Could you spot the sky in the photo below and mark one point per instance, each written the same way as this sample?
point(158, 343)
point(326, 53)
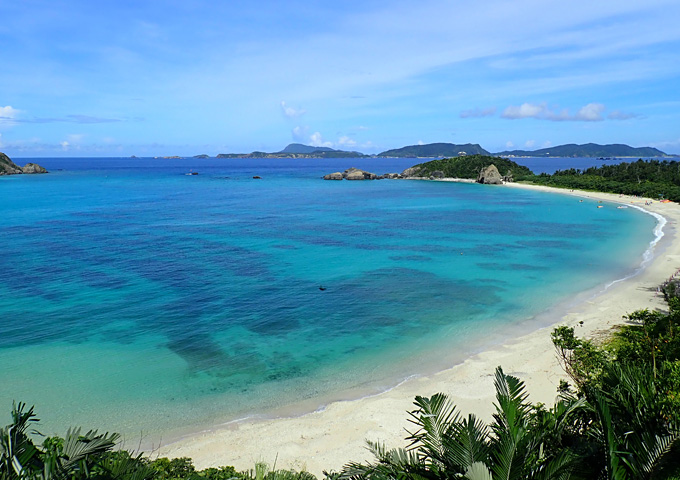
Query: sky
point(155, 78)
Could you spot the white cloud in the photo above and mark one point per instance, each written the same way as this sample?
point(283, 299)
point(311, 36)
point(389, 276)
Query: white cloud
point(345, 141)
point(291, 112)
point(315, 140)
point(300, 134)
point(619, 115)
point(7, 115)
point(589, 113)
point(526, 110)
point(509, 144)
point(8, 112)
point(530, 143)
point(546, 144)
point(0, 140)
point(420, 142)
point(65, 145)
point(478, 112)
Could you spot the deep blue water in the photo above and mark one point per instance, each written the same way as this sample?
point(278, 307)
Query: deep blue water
point(134, 297)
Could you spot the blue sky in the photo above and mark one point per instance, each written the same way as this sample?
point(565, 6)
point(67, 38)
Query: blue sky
point(146, 78)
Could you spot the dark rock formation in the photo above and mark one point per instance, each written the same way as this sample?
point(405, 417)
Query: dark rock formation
point(490, 176)
point(8, 167)
point(33, 168)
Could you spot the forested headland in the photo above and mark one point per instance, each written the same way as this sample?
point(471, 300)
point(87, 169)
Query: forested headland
point(655, 179)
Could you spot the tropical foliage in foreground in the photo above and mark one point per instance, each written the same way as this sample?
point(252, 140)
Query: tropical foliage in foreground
point(618, 418)
point(79, 456)
point(517, 444)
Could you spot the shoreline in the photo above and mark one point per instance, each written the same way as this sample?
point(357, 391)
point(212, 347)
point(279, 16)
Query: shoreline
point(330, 437)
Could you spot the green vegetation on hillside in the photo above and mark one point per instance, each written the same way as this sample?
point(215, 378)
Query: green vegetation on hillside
point(7, 166)
point(469, 166)
point(435, 150)
point(588, 150)
point(297, 150)
point(652, 178)
point(301, 148)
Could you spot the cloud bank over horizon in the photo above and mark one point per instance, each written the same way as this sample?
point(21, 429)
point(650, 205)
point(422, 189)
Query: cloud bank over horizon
point(137, 79)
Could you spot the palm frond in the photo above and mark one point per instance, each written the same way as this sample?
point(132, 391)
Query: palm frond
point(468, 444)
point(19, 457)
point(79, 450)
point(478, 471)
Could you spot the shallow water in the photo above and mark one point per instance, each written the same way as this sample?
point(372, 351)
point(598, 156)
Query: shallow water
point(135, 298)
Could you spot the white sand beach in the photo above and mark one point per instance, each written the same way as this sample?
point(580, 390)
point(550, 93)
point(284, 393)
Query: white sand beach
point(328, 439)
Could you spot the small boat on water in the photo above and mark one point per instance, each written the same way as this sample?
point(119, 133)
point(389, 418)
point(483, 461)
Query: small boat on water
point(622, 206)
point(600, 206)
point(191, 173)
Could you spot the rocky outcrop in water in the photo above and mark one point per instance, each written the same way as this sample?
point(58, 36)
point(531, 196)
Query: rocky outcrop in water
point(8, 167)
point(490, 176)
point(33, 168)
point(411, 172)
point(352, 174)
point(357, 174)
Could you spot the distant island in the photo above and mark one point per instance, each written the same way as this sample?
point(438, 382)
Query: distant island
point(449, 150)
point(587, 150)
point(432, 150)
point(444, 150)
point(297, 150)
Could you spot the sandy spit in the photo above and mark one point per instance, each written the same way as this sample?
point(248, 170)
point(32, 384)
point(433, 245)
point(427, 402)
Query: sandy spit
point(328, 439)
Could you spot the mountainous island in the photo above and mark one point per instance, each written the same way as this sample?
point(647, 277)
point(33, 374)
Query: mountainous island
point(446, 150)
point(297, 150)
point(431, 150)
point(587, 150)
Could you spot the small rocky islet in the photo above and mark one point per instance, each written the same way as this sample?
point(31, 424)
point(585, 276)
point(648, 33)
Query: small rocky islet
point(479, 168)
point(8, 167)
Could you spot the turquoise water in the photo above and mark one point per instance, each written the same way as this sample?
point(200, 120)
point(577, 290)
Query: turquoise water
point(135, 298)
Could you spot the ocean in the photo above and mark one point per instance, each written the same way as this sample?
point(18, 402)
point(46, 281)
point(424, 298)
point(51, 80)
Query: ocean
point(138, 299)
